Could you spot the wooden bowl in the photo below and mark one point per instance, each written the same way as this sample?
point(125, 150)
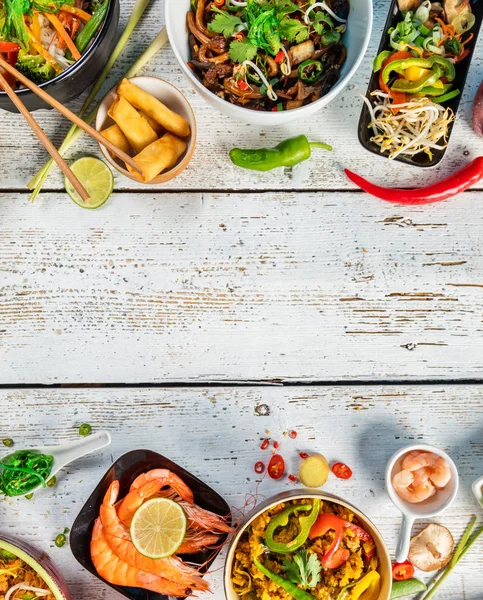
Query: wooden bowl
point(174, 99)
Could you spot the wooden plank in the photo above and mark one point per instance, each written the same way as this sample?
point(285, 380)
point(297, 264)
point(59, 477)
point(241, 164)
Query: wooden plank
point(211, 168)
point(361, 426)
point(202, 287)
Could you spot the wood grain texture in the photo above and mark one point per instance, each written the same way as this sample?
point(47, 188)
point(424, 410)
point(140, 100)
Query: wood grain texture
point(211, 168)
point(239, 287)
point(215, 433)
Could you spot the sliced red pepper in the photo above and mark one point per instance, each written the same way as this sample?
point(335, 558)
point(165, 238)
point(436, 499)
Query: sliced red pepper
point(397, 97)
point(279, 57)
point(12, 58)
point(264, 444)
point(259, 467)
point(243, 85)
point(276, 467)
point(341, 471)
point(402, 571)
point(9, 47)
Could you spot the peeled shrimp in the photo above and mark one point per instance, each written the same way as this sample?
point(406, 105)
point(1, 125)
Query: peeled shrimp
point(412, 488)
point(169, 479)
point(119, 540)
point(117, 572)
point(437, 469)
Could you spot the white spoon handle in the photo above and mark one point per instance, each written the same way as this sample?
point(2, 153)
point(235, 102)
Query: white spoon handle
point(67, 453)
point(402, 549)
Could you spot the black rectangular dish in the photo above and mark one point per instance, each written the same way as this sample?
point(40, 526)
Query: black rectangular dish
point(126, 469)
point(462, 68)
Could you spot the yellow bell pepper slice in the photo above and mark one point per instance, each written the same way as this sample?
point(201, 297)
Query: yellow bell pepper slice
point(367, 588)
point(415, 73)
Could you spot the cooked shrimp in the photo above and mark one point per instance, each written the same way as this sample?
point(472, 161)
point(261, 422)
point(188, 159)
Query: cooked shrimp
point(416, 460)
point(119, 540)
point(133, 500)
point(115, 571)
point(440, 473)
point(196, 541)
point(436, 467)
point(199, 518)
point(410, 490)
point(169, 479)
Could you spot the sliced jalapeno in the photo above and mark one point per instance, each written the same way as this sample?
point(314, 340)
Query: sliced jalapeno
point(310, 71)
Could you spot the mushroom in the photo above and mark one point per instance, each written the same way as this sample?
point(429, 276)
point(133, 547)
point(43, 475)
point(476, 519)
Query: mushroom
point(431, 549)
point(405, 5)
point(455, 8)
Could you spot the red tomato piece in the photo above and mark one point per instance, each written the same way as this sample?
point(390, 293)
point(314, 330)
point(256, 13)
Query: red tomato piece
point(341, 471)
point(276, 467)
point(402, 571)
point(259, 467)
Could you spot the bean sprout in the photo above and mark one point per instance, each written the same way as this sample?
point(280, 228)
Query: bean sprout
point(270, 91)
point(286, 67)
point(324, 6)
point(420, 125)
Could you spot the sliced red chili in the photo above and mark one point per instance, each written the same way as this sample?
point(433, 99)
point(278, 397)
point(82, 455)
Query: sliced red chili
point(276, 467)
point(341, 471)
point(276, 445)
point(259, 467)
point(243, 85)
point(293, 478)
point(292, 434)
point(279, 57)
point(402, 571)
point(303, 455)
point(264, 444)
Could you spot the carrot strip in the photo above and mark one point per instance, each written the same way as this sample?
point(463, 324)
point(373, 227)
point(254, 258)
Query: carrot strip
point(43, 52)
point(78, 12)
point(417, 49)
point(470, 37)
point(64, 35)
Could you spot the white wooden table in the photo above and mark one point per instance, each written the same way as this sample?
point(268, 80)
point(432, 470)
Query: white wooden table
point(365, 318)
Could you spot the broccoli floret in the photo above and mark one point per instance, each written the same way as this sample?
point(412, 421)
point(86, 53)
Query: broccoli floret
point(36, 68)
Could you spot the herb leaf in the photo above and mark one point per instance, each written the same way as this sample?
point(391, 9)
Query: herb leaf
point(224, 23)
point(242, 51)
point(304, 569)
point(294, 30)
point(322, 22)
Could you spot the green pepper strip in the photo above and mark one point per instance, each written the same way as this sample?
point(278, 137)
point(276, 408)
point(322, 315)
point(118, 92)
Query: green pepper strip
point(310, 71)
point(435, 91)
point(91, 27)
point(288, 153)
point(285, 584)
point(380, 59)
point(424, 63)
point(281, 520)
point(446, 97)
point(414, 87)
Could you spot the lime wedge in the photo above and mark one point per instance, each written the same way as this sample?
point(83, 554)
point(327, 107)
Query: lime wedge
point(158, 528)
point(97, 179)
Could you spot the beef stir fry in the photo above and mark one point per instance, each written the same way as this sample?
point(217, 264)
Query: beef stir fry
point(268, 54)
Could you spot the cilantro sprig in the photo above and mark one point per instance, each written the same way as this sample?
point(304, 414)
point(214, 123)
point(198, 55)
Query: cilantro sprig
point(224, 23)
point(242, 51)
point(304, 569)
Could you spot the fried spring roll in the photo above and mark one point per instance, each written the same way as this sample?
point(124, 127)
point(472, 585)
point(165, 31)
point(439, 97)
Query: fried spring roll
point(159, 156)
point(115, 135)
point(153, 108)
point(134, 126)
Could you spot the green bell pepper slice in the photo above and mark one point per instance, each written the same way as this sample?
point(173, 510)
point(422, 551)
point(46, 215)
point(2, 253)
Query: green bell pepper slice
point(436, 91)
point(379, 60)
point(281, 520)
point(424, 63)
point(292, 588)
point(414, 87)
point(446, 97)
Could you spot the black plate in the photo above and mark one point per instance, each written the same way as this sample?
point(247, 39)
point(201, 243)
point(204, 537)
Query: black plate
point(126, 469)
point(421, 159)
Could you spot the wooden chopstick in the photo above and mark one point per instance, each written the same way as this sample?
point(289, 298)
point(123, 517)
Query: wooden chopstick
point(40, 133)
point(70, 115)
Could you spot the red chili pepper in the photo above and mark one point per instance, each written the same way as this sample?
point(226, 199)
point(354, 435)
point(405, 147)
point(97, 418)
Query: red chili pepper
point(462, 56)
point(293, 478)
point(449, 187)
point(9, 47)
point(276, 445)
point(12, 58)
point(341, 471)
point(259, 467)
point(276, 467)
point(303, 455)
point(279, 57)
point(243, 85)
point(292, 434)
point(402, 571)
point(264, 444)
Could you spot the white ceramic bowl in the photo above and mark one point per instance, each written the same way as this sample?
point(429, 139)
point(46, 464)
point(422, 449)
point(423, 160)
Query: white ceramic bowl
point(385, 568)
point(356, 39)
point(477, 488)
point(174, 99)
point(431, 507)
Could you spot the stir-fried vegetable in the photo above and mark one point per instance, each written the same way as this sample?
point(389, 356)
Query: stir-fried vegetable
point(36, 68)
point(24, 470)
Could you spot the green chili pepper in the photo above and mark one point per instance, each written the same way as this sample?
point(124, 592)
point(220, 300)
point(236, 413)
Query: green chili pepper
point(288, 153)
point(52, 481)
point(292, 588)
point(446, 97)
point(281, 520)
point(380, 59)
point(431, 63)
point(29, 496)
point(85, 429)
point(310, 71)
point(60, 540)
point(7, 442)
point(91, 27)
point(401, 589)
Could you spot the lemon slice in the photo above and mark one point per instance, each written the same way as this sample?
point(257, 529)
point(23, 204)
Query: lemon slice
point(158, 528)
point(97, 179)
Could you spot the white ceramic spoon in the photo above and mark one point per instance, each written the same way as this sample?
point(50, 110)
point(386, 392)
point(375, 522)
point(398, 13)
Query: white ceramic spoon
point(67, 453)
point(431, 507)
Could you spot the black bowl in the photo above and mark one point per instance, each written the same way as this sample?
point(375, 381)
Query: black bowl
point(72, 82)
point(365, 134)
point(126, 469)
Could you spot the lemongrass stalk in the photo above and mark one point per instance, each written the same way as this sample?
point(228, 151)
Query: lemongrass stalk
point(37, 181)
point(158, 42)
